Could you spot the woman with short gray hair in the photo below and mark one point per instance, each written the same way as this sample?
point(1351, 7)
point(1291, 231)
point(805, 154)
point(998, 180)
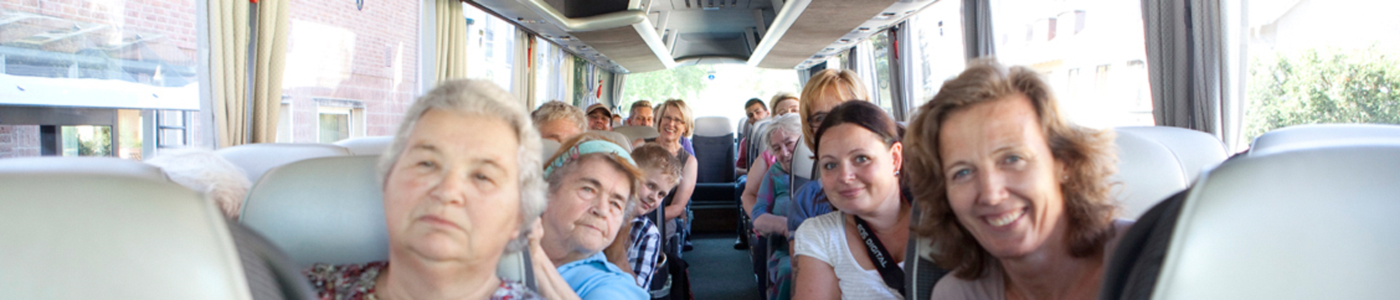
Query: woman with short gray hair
point(461, 182)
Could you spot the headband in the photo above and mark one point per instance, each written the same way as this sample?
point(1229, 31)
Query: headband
point(588, 147)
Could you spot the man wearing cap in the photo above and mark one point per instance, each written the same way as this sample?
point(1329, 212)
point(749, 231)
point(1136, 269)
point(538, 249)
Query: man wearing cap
point(599, 117)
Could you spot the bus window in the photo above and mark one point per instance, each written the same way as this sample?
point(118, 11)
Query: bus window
point(1090, 51)
point(876, 52)
point(349, 73)
point(937, 47)
point(1321, 62)
point(710, 90)
point(490, 47)
point(98, 79)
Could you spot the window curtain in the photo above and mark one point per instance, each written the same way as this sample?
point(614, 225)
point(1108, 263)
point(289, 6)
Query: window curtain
point(451, 60)
point(617, 79)
point(522, 69)
point(977, 29)
point(1196, 57)
point(247, 90)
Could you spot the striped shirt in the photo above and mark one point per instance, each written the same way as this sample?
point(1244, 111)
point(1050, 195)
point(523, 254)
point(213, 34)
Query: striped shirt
point(645, 250)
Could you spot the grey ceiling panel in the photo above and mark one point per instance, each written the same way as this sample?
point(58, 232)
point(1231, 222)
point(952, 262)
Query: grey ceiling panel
point(821, 24)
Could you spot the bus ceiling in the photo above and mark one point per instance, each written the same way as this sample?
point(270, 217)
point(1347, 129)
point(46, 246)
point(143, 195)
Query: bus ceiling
point(636, 36)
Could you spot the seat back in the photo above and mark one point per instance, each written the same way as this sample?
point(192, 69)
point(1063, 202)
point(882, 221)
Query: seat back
point(803, 164)
point(330, 210)
point(714, 150)
point(1156, 162)
point(257, 159)
point(1318, 135)
point(114, 236)
point(637, 132)
point(369, 145)
point(756, 143)
point(1307, 224)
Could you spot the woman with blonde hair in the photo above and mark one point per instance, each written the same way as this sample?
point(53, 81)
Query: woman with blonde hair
point(1015, 198)
point(675, 121)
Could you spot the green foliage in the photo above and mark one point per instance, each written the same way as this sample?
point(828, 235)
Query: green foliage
point(99, 145)
point(679, 83)
point(1323, 87)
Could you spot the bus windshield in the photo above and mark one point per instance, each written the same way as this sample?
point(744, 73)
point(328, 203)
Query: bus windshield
point(710, 90)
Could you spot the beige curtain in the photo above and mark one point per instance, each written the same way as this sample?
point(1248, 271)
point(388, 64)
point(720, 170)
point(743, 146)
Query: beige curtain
point(236, 120)
point(451, 41)
point(228, 65)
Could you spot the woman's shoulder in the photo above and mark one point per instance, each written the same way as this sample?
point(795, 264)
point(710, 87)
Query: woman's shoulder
point(987, 287)
point(348, 281)
point(824, 222)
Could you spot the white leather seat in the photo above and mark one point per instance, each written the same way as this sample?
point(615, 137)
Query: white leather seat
point(369, 145)
point(1317, 135)
point(1313, 223)
point(256, 159)
point(1156, 162)
point(330, 210)
point(101, 235)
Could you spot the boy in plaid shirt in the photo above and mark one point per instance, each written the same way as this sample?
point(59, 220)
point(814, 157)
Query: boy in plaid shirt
point(642, 246)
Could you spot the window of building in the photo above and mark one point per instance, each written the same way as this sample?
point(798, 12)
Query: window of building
point(79, 77)
point(1066, 41)
point(338, 51)
point(490, 47)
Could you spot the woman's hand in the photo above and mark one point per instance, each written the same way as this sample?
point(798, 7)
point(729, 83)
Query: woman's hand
point(768, 224)
point(551, 285)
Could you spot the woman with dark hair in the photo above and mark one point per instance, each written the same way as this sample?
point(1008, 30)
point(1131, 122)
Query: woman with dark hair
point(856, 252)
point(1015, 198)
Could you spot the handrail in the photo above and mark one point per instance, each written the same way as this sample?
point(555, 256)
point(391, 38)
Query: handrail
point(792, 9)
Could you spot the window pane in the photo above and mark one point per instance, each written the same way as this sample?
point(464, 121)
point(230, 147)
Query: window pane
point(1321, 62)
point(1087, 50)
point(98, 64)
point(490, 47)
point(725, 95)
point(334, 127)
point(879, 44)
point(339, 52)
point(938, 48)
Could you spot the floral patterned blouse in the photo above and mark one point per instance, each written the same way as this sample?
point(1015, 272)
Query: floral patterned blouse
point(356, 282)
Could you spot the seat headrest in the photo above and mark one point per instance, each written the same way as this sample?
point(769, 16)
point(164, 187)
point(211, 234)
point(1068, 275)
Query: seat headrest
point(802, 160)
point(1304, 224)
point(713, 126)
point(1156, 162)
point(1319, 135)
point(81, 166)
point(321, 210)
point(370, 145)
point(95, 236)
point(637, 132)
point(547, 149)
point(256, 159)
point(331, 210)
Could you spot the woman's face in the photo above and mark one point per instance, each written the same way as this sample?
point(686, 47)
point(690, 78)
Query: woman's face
point(857, 169)
point(782, 143)
point(672, 124)
point(454, 192)
point(787, 106)
point(1003, 183)
point(821, 105)
point(586, 209)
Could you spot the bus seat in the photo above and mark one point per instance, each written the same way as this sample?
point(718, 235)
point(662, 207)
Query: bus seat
point(920, 276)
point(715, 155)
point(1305, 224)
point(89, 235)
point(1155, 162)
point(369, 145)
point(330, 210)
point(1315, 135)
point(637, 132)
point(257, 159)
point(547, 148)
point(803, 164)
point(82, 166)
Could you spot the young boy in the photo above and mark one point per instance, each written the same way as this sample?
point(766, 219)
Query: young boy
point(641, 248)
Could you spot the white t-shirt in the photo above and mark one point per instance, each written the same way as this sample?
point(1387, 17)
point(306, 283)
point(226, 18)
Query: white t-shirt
point(824, 238)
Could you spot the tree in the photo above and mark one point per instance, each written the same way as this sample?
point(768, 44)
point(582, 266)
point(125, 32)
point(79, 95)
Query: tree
point(680, 83)
point(1323, 87)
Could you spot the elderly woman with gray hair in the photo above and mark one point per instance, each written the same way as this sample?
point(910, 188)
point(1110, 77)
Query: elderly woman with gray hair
point(462, 181)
